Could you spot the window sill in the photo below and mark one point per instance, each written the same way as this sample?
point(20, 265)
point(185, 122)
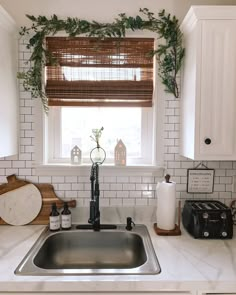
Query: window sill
point(106, 170)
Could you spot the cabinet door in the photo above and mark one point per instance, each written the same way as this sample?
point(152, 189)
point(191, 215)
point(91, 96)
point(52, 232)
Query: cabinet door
point(8, 87)
point(217, 104)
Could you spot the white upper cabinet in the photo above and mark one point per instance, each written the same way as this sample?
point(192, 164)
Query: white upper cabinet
point(8, 86)
point(208, 101)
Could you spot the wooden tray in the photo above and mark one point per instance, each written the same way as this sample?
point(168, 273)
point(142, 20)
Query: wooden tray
point(48, 197)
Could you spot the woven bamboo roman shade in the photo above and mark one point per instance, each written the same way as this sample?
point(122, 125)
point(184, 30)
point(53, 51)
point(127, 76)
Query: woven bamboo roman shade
point(92, 72)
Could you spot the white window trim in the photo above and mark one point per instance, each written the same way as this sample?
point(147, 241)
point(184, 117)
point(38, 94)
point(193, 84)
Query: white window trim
point(54, 139)
point(156, 169)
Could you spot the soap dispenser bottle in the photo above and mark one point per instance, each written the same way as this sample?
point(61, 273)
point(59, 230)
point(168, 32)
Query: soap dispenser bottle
point(66, 217)
point(54, 218)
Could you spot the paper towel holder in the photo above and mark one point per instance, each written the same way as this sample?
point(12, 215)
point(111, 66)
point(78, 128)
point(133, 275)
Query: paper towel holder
point(174, 232)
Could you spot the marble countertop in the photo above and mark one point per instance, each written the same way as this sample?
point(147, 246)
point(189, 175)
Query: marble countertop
point(187, 264)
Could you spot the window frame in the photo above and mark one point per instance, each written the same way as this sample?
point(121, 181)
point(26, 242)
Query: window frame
point(54, 139)
point(42, 167)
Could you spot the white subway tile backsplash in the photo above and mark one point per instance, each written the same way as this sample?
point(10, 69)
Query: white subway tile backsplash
point(5, 164)
point(84, 194)
point(26, 110)
point(87, 186)
point(104, 202)
point(71, 194)
point(173, 104)
point(58, 179)
point(135, 179)
point(181, 187)
point(169, 127)
point(45, 179)
point(116, 186)
point(230, 172)
point(174, 120)
point(220, 172)
point(34, 179)
point(173, 134)
point(226, 180)
point(122, 179)
point(18, 164)
point(169, 157)
point(147, 194)
point(71, 179)
point(183, 180)
point(129, 186)
point(29, 133)
point(128, 202)
point(173, 150)
point(219, 187)
point(180, 172)
point(110, 179)
point(64, 186)
point(25, 126)
point(169, 142)
point(116, 202)
point(169, 112)
point(110, 194)
point(28, 149)
point(83, 179)
point(141, 186)
point(104, 186)
point(25, 172)
point(228, 188)
point(225, 195)
point(187, 164)
point(29, 118)
point(141, 202)
point(77, 186)
point(122, 194)
point(173, 164)
point(148, 179)
point(135, 194)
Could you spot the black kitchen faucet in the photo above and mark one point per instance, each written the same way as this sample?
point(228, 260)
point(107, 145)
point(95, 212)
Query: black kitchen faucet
point(94, 217)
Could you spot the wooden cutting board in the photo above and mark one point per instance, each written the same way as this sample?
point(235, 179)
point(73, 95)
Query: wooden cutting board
point(47, 193)
point(21, 205)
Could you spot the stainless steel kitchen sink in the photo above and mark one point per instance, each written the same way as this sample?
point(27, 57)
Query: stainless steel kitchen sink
point(87, 252)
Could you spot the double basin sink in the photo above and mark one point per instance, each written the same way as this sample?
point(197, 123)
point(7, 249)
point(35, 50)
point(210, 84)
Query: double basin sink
point(87, 252)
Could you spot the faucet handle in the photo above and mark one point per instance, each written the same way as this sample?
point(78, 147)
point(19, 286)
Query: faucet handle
point(129, 223)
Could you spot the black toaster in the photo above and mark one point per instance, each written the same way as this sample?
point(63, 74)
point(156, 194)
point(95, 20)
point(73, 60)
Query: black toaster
point(207, 219)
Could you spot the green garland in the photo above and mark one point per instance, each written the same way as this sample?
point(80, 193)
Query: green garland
point(169, 55)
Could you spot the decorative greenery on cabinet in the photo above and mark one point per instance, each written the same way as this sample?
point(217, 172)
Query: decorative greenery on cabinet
point(169, 53)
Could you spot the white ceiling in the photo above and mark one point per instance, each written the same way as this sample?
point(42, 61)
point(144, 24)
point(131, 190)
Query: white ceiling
point(95, 9)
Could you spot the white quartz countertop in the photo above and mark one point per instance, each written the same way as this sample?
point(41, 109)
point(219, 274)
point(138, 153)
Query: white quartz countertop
point(187, 264)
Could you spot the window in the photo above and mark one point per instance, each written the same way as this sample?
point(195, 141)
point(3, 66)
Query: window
point(70, 126)
point(98, 84)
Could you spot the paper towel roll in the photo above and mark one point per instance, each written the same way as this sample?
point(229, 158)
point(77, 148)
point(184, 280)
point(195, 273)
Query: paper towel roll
point(166, 205)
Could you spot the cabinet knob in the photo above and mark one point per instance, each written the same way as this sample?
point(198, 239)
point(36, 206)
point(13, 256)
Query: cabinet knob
point(207, 141)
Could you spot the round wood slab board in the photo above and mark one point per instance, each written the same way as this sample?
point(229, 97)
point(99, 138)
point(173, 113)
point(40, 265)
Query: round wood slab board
point(20, 206)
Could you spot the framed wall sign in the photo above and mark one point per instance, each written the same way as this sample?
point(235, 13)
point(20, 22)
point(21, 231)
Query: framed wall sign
point(200, 180)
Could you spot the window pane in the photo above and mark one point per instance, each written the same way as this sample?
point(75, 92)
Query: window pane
point(101, 74)
point(118, 123)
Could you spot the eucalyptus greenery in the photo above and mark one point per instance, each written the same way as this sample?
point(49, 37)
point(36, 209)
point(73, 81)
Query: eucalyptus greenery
point(169, 53)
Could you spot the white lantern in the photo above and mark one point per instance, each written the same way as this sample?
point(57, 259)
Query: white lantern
point(120, 154)
point(75, 155)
